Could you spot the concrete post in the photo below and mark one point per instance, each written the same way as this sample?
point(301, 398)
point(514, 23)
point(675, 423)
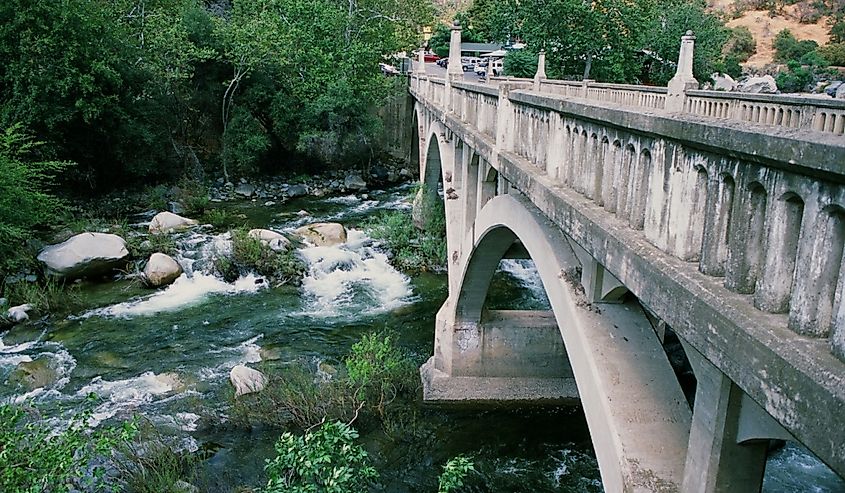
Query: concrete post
point(540, 76)
point(455, 69)
point(489, 72)
point(421, 62)
point(683, 79)
point(715, 460)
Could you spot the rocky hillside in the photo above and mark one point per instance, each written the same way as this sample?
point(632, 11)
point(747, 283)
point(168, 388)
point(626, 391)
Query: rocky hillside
point(803, 19)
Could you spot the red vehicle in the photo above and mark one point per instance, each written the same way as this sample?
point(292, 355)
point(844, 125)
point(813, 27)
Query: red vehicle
point(430, 57)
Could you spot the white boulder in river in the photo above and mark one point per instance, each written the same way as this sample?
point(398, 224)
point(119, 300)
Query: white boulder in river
point(165, 222)
point(85, 254)
point(246, 380)
point(19, 313)
point(161, 270)
point(323, 234)
point(276, 241)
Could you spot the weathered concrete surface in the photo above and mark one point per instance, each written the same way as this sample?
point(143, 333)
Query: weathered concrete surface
point(790, 376)
point(638, 417)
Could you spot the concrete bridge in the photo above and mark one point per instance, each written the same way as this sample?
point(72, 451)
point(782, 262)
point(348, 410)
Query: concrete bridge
point(720, 217)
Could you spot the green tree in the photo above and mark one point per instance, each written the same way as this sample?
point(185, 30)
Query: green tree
point(521, 63)
point(741, 44)
point(834, 53)
point(788, 48)
point(25, 201)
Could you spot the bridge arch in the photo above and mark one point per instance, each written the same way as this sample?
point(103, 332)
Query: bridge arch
point(640, 446)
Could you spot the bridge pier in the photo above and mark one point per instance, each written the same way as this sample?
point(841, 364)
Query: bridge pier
point(729, 434)
point(511, 356)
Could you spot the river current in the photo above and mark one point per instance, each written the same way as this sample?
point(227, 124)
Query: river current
point(166, 355)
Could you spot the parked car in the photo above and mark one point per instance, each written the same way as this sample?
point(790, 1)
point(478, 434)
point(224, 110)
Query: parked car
point(430, 57)
point(443, 62)
point(498, 68)
point(469, 63)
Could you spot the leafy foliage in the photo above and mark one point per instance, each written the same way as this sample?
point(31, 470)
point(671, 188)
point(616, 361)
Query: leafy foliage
point(414, 249)
point(522, 63)
point(34, 458)
point(788, 48)
point(378, 369)
point(250, 254)
point(454, 473)
point(24, 199)
point(795, 79)
point(325, 460)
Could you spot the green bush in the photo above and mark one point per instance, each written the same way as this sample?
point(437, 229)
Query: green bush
point(834, 53)
point(325, 460)
point(35, 458)
point(521, 63)
point(378, 370)
point(51, 295)
point(152, 465)
point(250, 254)
point(741, 44)
point(795, 79)
point(454, 473)
point(788, 48)
point(414, 250)
point(25, 202)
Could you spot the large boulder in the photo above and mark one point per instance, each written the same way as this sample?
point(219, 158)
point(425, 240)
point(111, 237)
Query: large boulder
point(245, 190)
point(295, 191)
point(354, 182)
point(86, 254)
point(166, 222)
point(276, 241)
point(840, 91)
point(723, 82)
point(161, 270)
point(19, 313)
point(831, 88)
point(323, 234)
point(246, 380)
point(759, 85)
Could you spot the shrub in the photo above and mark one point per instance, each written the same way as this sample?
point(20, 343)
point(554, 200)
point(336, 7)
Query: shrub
point(24, 200)
point(834, 53)
point(378, 370)
point(35, 458)
point(788, 48)
point(741, 44)
point(325, 460)
point(795, 79)
point(454, 473)
point(521, 63)
point(250, 254)
point(153, 465)
point(412, 249)
point(220, 218)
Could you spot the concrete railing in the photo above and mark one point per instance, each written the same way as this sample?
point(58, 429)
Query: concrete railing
point(822, 115)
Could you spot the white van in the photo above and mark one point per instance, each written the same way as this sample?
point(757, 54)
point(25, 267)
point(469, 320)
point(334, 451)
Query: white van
point(498, 68)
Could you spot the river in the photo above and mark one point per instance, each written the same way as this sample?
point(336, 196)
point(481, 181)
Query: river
point(166, 355)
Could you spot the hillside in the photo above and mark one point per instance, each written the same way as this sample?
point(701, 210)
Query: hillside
point(764, 27)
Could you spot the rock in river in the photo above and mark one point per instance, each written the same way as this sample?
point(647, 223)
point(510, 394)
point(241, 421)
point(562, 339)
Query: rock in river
point(166, 222)
point(246, 380)
point(323, 234)
point(276, 241)
point(86, 254)
point(354, 182)
point(161, 270)
point(19, 313)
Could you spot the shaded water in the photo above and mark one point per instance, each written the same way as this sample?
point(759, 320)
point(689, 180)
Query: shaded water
point(167, 354)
